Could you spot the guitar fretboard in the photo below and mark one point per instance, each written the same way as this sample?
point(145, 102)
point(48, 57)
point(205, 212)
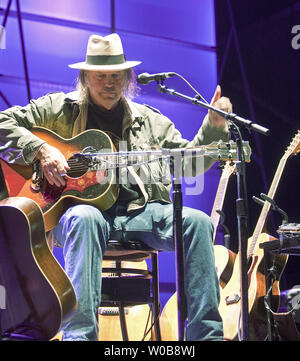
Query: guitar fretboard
point(292, 149)
point(266, 207)
point(220, 196)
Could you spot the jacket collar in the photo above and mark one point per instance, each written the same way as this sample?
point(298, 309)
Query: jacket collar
point(72, 97)
point(130, 106)
point(133, 116)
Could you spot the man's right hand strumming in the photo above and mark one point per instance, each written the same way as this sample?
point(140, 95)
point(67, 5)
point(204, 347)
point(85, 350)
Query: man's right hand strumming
point(53, 164)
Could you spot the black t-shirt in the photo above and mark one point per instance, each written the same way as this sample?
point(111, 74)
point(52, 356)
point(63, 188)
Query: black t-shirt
point(110, 122)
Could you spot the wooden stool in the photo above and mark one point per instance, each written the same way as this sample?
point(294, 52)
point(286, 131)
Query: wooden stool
point(124, 287)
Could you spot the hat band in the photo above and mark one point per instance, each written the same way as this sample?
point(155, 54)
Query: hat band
point(105, 59)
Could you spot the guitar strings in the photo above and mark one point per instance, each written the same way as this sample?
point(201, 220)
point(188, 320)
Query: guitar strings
point(76, 166)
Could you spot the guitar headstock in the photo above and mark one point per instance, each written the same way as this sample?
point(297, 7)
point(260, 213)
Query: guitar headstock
point(229, 167)
point(227, 151)
point(294, 146)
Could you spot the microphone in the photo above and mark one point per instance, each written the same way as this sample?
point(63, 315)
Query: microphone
point(146, 78)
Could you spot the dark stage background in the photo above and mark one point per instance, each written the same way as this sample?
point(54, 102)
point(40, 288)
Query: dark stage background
point(246, 46)
point(258, 68)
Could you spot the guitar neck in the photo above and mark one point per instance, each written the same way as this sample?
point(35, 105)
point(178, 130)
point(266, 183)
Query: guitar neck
point(266, 207)
point(218, 204)
point(219, 151)
point(220, 195)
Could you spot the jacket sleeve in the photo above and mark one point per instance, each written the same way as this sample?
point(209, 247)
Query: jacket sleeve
point(17, 143)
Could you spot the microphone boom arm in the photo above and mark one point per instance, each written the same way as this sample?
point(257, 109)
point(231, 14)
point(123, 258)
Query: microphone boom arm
point(229, 116)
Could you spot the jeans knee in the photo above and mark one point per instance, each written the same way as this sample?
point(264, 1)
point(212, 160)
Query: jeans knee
point(81, 222)
point(84, 215)
point(196, 218)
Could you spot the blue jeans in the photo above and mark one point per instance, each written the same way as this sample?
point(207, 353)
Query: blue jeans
point(83, 232)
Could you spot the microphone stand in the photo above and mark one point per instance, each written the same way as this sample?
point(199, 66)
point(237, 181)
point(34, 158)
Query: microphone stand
point(242, 218)
point(179, 249)
point(241, 207)
point(237, 120)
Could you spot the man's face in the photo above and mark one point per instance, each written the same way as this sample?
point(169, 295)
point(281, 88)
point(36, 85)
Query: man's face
point(105, 87)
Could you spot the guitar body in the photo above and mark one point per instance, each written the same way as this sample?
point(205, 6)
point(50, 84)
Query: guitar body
point(137, 317)
point(136, 321)
point(169, 320)
point(224, 261)
point(230, 302)
point(95, 187)
point(38, 295)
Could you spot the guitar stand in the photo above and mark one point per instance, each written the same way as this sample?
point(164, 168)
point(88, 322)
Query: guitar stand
point(270, 278)
point(270, 271)
point(270, 249)
point(16, 337)
point(31, 334)
point(287, 244)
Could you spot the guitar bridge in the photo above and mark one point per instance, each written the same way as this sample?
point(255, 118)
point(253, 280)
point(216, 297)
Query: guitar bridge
point(37, 177)
point(230, 300)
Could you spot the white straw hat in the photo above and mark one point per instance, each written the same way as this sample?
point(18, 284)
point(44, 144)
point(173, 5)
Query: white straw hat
point(105, 53)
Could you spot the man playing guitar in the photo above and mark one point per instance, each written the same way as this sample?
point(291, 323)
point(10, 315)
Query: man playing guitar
point(142, 210)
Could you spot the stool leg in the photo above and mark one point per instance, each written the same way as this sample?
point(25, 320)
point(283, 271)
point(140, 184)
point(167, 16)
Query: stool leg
point(155, 292)
point(123, 322)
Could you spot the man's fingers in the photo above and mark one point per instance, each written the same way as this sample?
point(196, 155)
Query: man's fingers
point(53, 176)
point(53, 164)
point(66, 165)
point(48, 178)
point(217, 95)
point(58, 178)
point(224, 104)
point(62, 169)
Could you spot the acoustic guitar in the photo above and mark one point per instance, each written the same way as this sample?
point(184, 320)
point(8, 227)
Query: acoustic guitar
point(91, 178)
point(230, 303)
point(84, 183)
point(224, 259)
point(37, 296)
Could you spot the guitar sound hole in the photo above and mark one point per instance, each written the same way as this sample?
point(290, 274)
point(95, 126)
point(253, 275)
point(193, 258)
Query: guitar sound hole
point(78, 167)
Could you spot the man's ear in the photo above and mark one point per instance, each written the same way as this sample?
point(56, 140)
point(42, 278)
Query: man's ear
point(84, 77)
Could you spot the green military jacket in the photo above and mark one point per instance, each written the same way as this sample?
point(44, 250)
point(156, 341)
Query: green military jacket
point(143, 128)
